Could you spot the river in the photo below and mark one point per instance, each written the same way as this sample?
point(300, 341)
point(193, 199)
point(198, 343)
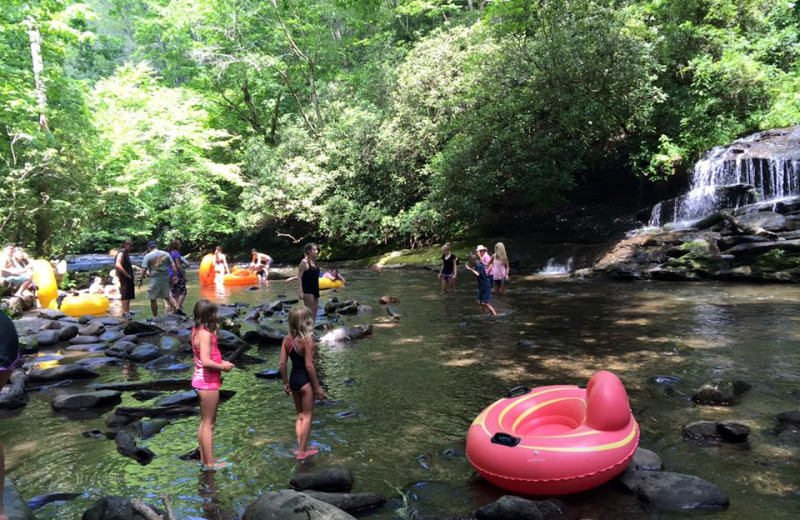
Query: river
point(417, 383)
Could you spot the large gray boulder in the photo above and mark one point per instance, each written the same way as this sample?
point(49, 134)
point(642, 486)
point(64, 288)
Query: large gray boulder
point(228, 341)
point(291, 505)
point(87, 400)
point(114, 508)
point(15, 507)
point(669, 491)
point(61, 372)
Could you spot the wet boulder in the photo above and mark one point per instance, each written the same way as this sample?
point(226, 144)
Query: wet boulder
point(711, 431)
point(116, 420)
point(13, 395)
point(720, 392)
point(646, 460)
point(92, 329)
point(350, 502)
point(264, 335)
point(126, 445)
point(394, 313)
point(341, 307)
point(788, 422)
point(140, 327)
point(60, 373)
point(146, 429)
point(190, 398)
point(763, 221)
point(99, 361)
point(48, 337)
point(83, 340)
point(158, 384)
point(268, 374)
point(144, 352)
point(88, 347)
point(385, 300)
point(668, 491)
point(291, 505)
point(14, 506)
point(169, 342)
point(52, 325)
point(228, 341)
point(130, 338)
point(146, 395)
point(51, 314)
point(87, 400)
point(510, 507)
point(343, 334)
point(336, 478)
point(108, 321)
point(115, 508)
point(110, 336)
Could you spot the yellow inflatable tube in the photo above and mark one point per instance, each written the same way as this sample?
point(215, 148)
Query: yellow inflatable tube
point(327, 283)
point(94, 304)
point(45, 280)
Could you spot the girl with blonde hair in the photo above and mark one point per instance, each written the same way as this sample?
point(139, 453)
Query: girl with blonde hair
point(500, 268)
point(302, 383)
point(449, 269)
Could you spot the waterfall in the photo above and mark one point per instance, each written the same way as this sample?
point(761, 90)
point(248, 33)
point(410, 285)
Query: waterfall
point(767, 161)
point(551, 267)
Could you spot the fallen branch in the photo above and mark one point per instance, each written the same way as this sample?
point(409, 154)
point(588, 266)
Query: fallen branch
point(294, 240)
point(145, 510)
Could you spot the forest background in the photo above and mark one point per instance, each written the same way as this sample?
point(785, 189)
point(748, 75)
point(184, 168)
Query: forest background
point(364, 123)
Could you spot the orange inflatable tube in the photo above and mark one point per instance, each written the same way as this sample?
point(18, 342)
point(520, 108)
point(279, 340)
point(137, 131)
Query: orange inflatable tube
point(240, 276)
point(555, 440)
point(207, 272)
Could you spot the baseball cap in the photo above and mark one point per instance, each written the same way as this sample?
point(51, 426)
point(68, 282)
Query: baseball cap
point(152, 243)
point(480, 247)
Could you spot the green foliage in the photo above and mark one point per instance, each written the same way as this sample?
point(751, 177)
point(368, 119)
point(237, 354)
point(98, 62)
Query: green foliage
point(362, 122)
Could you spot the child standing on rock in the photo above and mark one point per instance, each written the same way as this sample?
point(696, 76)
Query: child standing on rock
point(484, 284)
point(302, 382)
point(207, 378)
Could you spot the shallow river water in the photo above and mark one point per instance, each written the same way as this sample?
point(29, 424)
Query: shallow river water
point(417, 383)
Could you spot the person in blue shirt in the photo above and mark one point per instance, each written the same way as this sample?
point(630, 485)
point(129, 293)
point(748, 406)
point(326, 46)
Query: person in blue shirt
point(484, 283)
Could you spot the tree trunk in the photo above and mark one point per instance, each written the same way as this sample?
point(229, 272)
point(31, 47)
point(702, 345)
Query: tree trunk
point(43, 230)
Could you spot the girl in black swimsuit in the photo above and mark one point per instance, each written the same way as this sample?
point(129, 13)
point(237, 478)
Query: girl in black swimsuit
point(302, 384)
point(308, 277)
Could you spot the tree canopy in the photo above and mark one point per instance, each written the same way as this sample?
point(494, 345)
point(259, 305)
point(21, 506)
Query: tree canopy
point(363, 122)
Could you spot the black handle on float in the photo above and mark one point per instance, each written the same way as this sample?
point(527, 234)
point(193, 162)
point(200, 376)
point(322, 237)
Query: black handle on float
point(505, 439)
point(521, 389)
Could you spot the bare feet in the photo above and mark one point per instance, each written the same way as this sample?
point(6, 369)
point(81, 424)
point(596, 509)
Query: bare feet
point(305, 454)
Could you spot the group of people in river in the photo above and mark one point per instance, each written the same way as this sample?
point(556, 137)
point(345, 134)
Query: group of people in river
point(491, 271)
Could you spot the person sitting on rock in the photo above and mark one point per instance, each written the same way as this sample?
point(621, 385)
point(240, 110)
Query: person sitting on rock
point(13, 272)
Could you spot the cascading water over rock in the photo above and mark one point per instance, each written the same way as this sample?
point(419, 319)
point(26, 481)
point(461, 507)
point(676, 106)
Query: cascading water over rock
point(765, 165)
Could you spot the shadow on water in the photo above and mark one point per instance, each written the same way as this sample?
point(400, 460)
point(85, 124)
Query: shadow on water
point(402, 400)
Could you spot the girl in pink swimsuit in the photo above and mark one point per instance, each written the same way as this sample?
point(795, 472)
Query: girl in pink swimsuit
point(207, 378)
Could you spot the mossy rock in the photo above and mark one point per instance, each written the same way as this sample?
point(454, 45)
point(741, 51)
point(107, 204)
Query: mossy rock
point(697, 261)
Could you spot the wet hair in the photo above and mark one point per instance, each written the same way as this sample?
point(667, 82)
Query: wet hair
point(206, 315)
point(500, 252)
point(446, 247)
point(301, 323)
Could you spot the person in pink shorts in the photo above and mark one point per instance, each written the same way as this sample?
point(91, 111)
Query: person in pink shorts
point(207, 378)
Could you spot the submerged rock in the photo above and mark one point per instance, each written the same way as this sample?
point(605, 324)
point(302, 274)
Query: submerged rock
point(13, 395)
point(114, 508)
point(15, 507)
point(337, 478)
point(646, 460)
point(291, 505)
point(126, 445)
point(88, 400)
point(42, 500)
point(511, 507)
point(716, 431)
point(61, 372)
point(146, 429)
point(343, 334)
point(720, 392)
point(349, 502)
point(669, 491)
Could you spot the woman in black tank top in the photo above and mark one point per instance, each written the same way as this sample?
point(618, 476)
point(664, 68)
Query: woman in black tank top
point(308, 279)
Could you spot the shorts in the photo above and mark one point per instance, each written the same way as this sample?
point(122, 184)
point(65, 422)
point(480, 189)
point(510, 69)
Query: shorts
point(484, 294)
point(447, 277)
point(498, 283)
point(126, 289)
point(212, 383)
point(16, 281)
point(178, 288)
point(158, 290)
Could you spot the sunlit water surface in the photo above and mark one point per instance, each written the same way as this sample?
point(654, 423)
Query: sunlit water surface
point(418, 383)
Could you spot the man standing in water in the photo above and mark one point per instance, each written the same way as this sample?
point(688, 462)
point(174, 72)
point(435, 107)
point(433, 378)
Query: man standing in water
point(260, 264)
point(155, 265)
